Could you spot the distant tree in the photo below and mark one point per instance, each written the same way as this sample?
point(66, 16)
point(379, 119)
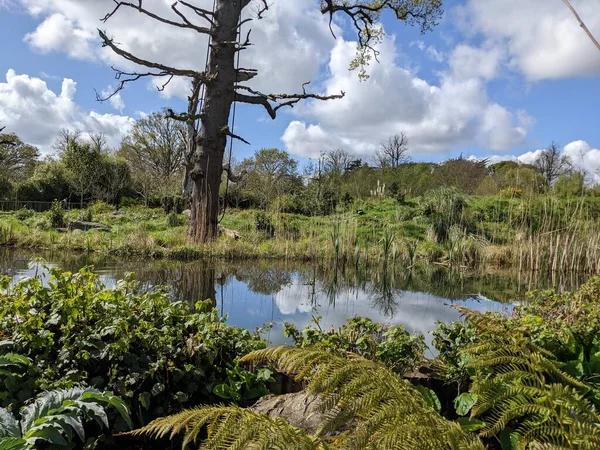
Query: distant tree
point(48, 183)
point(82, 161)
point(461, 173)
point(17, 159)
point(570, 184)
point(392, 152)
point(337, 160)
point(115, 178)
point(155, 152)
point(551, 163)
point(270, 174)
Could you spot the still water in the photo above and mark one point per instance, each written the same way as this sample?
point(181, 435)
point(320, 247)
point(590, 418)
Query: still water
point(253, 293)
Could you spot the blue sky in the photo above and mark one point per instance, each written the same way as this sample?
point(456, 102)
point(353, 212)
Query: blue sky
point(495, 78)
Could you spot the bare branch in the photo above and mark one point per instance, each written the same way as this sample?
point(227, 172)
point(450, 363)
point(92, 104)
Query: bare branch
point(107, 42)
point(280, 100)
point(581, 24)
point(227, 132)
point(232, 176)
point(139, 7)
point(204, 13)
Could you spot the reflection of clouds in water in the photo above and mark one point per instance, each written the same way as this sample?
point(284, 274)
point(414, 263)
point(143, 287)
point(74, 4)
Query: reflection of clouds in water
point(418, 312)
point(294, 297)
point(297, 301)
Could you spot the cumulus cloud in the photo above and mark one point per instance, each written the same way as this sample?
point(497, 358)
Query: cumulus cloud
point(290, 44)
point(393, 100)
point(542, 41)
point(583, 156)
point(37, 114)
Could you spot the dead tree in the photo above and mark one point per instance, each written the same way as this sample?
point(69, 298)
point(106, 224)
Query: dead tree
point(215, 89)
point(393, 152)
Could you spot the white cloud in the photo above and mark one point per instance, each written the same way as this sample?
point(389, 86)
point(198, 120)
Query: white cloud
point(583, 156)
point(543, 40)
point(289, 45)
point(470, 62)
point(393, 100)
point(115, 100)
point(37, 114)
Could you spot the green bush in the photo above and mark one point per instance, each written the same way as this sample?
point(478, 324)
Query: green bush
point(57, 215)
point(24, 213)
point(156, 354)
point(99, 207)
point(173, 220)
point(393, 346)
point(263, 223)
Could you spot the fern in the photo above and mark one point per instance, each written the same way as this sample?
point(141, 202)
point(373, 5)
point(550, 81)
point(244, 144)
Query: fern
point(56, 417)
point(230, 428)
point(520, 385)
point(388, 412)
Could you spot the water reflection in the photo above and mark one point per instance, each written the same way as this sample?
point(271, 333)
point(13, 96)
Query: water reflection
point(252, 293)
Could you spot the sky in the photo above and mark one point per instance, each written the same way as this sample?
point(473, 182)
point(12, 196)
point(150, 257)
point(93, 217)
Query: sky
point(499, 79)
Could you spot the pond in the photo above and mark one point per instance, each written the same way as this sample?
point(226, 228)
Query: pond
point(254, 293)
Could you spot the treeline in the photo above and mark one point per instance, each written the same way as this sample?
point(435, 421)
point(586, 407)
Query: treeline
point(148, 169)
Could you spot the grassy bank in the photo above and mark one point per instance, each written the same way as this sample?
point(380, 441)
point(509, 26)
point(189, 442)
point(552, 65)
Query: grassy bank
point(541, 233)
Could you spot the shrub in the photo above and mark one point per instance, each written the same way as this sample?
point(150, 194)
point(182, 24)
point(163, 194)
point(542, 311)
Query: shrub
point(24, 213)
point(393, 346)
point(263, 223)
point(99, 207)
point(57, 215)
point(127, 202)
point(85, 215)
point(156, 354)
point(173, 220)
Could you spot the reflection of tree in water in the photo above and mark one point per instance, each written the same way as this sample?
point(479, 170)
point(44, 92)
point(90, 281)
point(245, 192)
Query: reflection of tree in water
point(384, 296)
point(264, 280)
point(193, 281)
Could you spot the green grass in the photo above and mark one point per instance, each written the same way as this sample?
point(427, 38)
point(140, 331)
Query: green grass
point(535, 233)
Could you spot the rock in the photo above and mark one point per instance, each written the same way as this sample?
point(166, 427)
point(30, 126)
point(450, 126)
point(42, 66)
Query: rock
point(230, 233)
point(87, 226)
point(61, 230)
point(187, 213)
point(119, 213)
point(299, 409)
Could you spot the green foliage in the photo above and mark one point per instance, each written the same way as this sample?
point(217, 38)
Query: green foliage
point(444, 208)
point(263, 223)
point(85, 215)
point(154, 352)
point(242, 386)
point(229, 428)
point(24, 213)
point(392, 346)
point(173, 220)
point(57, 418)
point(450, 340)
point(57, 215)
point(390, 412)
point(522, 387)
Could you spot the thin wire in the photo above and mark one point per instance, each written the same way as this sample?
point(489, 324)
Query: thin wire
point(232, 119)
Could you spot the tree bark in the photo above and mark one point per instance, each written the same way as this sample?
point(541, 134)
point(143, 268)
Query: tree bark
point(206, 163)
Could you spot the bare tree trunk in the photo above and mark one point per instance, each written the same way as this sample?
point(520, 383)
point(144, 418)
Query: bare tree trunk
point(207, 160)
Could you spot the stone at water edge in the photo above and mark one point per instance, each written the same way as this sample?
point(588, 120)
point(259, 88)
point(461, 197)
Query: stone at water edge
point(87, 226)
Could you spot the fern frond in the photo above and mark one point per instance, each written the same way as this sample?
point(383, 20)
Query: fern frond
point(230, 428)
point(390, 412)
point(521, 385)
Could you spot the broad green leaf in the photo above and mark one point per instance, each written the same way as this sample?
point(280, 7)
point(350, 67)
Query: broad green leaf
point(470, 425)
point(222, 390)
point(9, 427)
point(13, 444)
point(47, 433)
point(430, 397)
point(464, 402)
